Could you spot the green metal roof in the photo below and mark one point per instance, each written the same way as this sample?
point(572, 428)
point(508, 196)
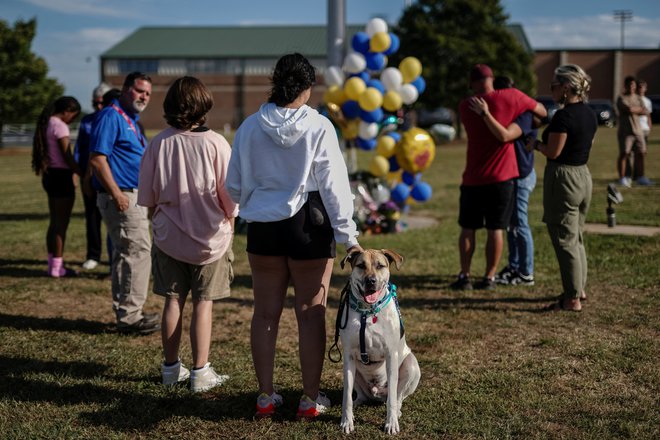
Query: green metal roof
point(236, 42)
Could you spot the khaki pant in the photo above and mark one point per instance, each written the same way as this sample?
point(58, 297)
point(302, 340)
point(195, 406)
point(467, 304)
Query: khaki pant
point(566, 199)
point(131, 256)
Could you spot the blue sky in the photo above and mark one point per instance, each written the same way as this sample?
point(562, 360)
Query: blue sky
point(71, 34)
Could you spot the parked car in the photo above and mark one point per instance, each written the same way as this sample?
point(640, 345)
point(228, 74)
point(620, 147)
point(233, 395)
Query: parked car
point(604, 111)
point(655, 115)
point(550, 106)
point(441, 115)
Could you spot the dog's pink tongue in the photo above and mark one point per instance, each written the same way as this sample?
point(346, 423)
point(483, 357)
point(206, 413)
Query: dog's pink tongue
point(372, 297)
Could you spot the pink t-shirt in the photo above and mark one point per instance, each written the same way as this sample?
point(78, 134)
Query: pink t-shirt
point(489, 160)
point(56, 130)
point(182, 176)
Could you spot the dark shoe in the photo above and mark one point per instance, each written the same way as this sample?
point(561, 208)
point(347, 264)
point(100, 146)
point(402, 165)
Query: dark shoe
point(151, 317)
point(505, 275)
point(461, 283)
point(141, 327)
point(485, 284)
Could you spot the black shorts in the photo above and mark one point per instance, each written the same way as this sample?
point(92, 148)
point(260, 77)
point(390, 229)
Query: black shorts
point(58, 183)
point(490, 203)
point(300, 237)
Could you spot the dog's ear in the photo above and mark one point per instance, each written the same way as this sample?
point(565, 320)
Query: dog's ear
point(393, 257)
point(349, 258)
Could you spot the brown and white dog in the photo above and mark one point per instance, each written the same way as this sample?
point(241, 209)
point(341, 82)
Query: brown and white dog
point(376, 356)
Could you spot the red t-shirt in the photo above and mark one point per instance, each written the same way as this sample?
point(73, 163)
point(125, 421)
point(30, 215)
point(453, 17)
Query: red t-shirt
point(489, 160)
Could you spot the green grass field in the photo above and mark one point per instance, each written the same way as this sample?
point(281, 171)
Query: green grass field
point(494, 364)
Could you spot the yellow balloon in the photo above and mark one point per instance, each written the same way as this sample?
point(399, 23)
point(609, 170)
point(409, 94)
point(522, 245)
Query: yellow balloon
point(354, 87)
point(379, 166)
point(379, 42)
point(385, 146)
point(392, 101)
point(334, 94)
point(415, 151)
point(350, 131)
point(410, 68)
point(370, 99)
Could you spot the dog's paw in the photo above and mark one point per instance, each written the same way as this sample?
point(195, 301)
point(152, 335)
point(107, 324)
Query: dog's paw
point(392, 426)
point(347, 425)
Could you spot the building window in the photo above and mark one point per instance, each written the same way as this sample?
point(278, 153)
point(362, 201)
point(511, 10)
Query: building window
point(146, 66)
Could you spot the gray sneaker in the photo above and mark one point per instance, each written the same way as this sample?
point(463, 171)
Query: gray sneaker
point(141, 327)
point(174, 374)
point(485, 284)
point(205, 378)
point(522, 280)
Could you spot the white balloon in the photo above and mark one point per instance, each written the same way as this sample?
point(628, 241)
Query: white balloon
point(367, 130)
point(376, 25)
point(354, 62)
point(391, 79)
point(334, 76)
point(409, 93)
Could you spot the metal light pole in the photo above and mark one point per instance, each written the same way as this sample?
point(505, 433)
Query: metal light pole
point(623, 15)
point(336, 32)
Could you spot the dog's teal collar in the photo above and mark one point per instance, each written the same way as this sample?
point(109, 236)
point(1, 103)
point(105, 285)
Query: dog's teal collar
point(367, 309)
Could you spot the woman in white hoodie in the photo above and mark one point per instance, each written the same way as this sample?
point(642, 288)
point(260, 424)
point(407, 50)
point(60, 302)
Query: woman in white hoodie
point(288, 175)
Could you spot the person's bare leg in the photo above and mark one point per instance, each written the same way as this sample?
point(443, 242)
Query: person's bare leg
point(171, 328)
point(60, 213)
point(494, 246)
point(466, 244)
point(623, 158)
point(270, 279)
point(311, 281)
point(639, 164)
point(200, 332)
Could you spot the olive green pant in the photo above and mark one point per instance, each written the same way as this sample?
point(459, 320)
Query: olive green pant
point(566, 199)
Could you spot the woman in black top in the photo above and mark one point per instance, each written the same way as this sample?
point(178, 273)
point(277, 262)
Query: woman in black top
point(567, 182)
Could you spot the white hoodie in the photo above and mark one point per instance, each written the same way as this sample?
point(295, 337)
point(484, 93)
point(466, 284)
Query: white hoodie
point(281, 154)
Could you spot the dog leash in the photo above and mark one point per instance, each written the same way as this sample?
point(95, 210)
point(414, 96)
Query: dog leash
point(343, 302)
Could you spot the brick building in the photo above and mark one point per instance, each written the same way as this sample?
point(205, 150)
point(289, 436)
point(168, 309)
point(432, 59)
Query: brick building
point(235, 63)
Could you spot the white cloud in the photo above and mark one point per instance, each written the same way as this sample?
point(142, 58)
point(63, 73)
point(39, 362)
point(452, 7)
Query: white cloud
point(85, 7)
point(599, 31)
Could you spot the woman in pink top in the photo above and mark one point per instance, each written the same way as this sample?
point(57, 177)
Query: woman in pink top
point(182, 182)
point(52, 159)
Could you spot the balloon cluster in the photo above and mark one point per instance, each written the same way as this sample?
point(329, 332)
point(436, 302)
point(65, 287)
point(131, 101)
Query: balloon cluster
point(363, 98)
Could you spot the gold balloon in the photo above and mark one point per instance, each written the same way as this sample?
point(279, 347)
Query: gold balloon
point(354, 87)
point(335, 95)
point(370, 99)
point(385, 146)
point(410, 68)
point(415, 151)
point(379, 42)
point(392, 101)
point(379, 166)
point(351, 129)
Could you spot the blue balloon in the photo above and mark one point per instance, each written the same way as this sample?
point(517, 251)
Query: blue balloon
point(375, 61)
point(395, 135)
point(421, 192)
point(364, 75)
point(360, 42)
point(410, 178)
point(351, 109)
point(419, 84)
point(373, 116)
point(400, 193)
point(394, 45)
point(376, 84)
point(394, 165)
point(366, 144)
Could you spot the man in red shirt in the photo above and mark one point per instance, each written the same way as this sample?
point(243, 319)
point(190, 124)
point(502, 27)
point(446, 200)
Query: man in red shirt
point(487, 186)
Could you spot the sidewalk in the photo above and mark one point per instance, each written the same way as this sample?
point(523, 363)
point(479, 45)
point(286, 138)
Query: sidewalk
point(598, 228)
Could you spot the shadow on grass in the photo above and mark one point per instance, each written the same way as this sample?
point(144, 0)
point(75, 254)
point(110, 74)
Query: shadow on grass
point(17, 269)
point(21, 216)
point(20, 322)
point(128, 404)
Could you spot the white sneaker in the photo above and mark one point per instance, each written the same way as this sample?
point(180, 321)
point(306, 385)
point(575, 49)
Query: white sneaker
point(90, 264)
point(266, 404)
point(308, 408)
point(624, 181)
point(174, 374)
point(206, 378)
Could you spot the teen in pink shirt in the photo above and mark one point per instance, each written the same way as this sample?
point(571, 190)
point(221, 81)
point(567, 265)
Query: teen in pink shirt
point(182, 182)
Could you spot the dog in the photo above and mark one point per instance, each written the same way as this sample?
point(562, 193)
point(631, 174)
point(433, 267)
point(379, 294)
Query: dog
point(378, 364)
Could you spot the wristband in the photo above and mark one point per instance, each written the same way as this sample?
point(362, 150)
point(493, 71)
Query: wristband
point(483, 113)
